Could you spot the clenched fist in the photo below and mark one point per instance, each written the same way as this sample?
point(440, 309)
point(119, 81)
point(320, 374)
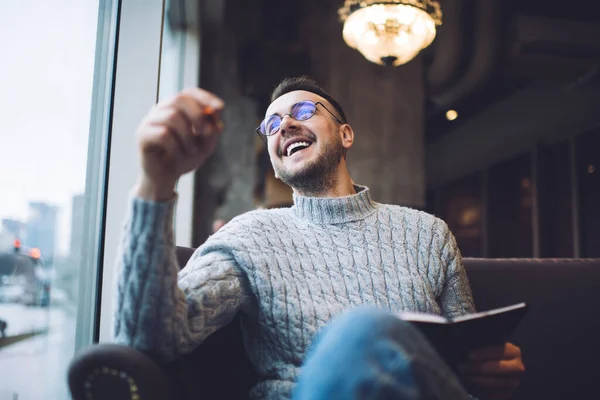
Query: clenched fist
point(176, 137)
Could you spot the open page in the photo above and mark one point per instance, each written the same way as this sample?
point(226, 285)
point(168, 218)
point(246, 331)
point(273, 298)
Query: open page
point(489, 313)
point(421, 317)
point(438, 319)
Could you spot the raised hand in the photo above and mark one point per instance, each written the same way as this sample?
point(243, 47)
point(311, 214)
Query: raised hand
point(176, 137)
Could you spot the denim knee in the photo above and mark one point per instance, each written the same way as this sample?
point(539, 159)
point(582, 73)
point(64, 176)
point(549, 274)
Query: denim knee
point(368, 353)
point(358, 356)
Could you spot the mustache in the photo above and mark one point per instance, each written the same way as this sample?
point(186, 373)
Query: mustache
point(308, 136)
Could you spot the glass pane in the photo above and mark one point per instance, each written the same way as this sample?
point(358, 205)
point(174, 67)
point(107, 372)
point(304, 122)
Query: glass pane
point(461, 206)
point(510, 202)
point(555, 201)
point(588, 174)
point(47, 80)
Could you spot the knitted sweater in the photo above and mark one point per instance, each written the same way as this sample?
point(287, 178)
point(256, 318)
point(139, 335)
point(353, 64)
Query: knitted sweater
point(288, 271)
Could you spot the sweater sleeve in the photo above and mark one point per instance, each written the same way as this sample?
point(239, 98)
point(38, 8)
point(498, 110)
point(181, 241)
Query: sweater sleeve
point(456, 298)
point(160, 310)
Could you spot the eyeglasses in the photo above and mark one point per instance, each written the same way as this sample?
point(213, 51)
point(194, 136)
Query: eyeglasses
point(300, 112)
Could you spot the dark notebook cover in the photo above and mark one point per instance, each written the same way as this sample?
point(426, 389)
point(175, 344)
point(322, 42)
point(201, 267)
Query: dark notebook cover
point(455, 338)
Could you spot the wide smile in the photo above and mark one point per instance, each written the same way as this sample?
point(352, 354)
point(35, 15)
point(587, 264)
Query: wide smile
point(296, 146)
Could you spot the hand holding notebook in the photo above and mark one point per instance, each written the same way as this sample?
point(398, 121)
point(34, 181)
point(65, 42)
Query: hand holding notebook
point(455, 338)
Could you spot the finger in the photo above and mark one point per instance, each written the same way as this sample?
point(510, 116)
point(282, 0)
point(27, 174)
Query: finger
point(214, 116)
point(205, 98)
point(188, 107)
point(514, 366)
point(488, 382)
point(204, 115)
point(506, 351)
point(208, 121)
point(169, 116)
point(206, 142)
point(159, 140)
point(177, 124)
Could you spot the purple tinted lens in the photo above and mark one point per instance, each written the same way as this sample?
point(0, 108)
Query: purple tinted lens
point(303, 110)
point(272, 124)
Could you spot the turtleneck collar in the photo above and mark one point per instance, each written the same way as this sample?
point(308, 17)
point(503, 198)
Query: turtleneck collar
point(336, 210)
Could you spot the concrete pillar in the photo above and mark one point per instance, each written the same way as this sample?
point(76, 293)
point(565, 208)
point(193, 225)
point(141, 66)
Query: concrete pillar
point(385, 107)
point(224, 185)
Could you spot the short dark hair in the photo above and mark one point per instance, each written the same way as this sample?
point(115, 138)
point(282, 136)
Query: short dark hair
point(308, 84)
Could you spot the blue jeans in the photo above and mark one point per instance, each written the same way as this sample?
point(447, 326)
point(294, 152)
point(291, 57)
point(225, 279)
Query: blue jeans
point(371, 354)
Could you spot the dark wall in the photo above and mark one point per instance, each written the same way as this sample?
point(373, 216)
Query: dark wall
point(541, 203)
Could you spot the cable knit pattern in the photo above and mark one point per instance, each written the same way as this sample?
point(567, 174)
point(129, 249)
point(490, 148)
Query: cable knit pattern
point(289, 272)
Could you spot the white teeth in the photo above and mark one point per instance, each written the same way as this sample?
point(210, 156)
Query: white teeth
point(294, 145)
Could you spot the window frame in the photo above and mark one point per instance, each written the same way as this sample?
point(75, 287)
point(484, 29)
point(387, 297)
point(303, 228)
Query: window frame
point(155, 59)
point(97, 174)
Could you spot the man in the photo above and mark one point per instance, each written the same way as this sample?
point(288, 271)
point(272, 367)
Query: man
point(293, 272)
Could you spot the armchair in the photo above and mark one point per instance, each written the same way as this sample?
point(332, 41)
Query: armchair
point(559, 339)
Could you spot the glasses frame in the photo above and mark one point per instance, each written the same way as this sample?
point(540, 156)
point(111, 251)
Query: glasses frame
point(258, 130)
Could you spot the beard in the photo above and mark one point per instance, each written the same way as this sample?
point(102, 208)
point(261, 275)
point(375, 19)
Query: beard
point(316, 176)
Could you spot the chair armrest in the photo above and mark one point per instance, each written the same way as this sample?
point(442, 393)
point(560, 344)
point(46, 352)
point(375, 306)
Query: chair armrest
point(117, 372)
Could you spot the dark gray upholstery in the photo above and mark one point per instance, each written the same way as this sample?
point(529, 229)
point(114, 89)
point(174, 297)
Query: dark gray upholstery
point(560, 335)
point(559, 338)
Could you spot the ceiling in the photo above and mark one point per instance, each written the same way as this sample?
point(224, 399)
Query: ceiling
point(485, 52)
point(514, 44)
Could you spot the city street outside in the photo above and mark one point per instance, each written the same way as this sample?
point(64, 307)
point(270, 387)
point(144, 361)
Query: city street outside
point(45, 204)
point(35, 368)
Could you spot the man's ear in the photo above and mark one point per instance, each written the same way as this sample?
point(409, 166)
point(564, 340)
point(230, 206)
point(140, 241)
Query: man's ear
point(347, 135)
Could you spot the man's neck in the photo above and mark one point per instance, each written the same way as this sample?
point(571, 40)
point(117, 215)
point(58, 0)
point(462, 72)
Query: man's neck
point(341, 187)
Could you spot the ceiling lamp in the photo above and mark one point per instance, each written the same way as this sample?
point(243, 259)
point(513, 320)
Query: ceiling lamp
point(390, 32)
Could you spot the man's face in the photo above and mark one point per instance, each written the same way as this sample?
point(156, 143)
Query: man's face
point(301, 166)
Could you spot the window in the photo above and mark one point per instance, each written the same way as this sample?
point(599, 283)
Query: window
point(588, 174)
point(510, 203)
point(55, 99)
point(461, 206)
point(555, 200)
point(156, 58)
